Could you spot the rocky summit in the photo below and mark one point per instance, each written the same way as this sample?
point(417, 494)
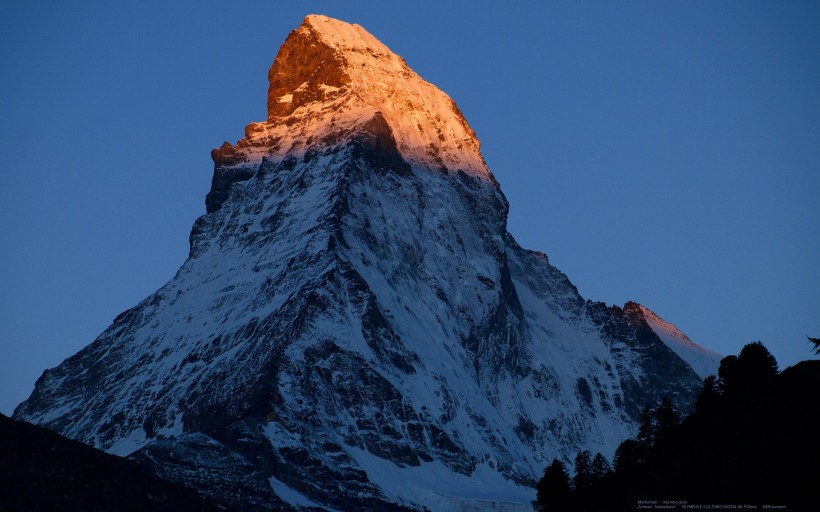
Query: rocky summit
point(354, 328)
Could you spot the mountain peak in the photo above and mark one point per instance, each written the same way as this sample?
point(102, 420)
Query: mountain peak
point(314, 64)
point(330, 79)
point(354, 317)
point(343, 35)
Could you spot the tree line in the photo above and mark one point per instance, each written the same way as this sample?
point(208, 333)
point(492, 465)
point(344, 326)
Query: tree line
point(749, 439)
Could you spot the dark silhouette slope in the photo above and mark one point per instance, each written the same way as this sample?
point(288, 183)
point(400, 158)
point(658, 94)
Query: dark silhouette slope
point(752, 448)
point(41, 470)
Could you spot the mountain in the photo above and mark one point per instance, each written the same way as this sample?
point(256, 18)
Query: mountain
point(354, 326)
point(41, 470)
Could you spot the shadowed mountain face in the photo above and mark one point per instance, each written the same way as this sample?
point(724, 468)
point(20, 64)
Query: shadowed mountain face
point(354, 326)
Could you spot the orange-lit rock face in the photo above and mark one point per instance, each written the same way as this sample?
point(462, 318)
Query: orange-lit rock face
point(330, 80)
point(306, 70)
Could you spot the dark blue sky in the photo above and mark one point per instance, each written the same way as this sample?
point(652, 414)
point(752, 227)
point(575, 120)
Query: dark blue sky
point(663, 152)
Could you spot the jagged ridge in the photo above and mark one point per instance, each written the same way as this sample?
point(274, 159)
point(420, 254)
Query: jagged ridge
point(331, 80)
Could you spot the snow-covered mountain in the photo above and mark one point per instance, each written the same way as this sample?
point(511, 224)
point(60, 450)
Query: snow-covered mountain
point(354, 327)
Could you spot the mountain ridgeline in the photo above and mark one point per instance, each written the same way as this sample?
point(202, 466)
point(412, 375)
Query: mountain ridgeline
point(354, 327)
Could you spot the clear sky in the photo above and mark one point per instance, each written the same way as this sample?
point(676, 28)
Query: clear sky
point(662, 152)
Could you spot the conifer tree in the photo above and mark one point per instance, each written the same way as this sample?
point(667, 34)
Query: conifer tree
point(726, 372)
point(629, 454)
point(553, 490)
point(753, 367)
point(646, 431)
point(708, 397)
point(665, 419)
point(583, 470)
point(600, 467)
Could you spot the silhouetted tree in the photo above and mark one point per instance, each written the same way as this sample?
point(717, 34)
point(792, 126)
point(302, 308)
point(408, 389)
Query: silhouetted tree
point(666, 418)
point(655, 425)
point(600, 467)
point(753, 367)
point(758, 362)
point(629, 454)
point(646, 430)
point(553, 490)
point(726, 372)
point(709, 396)
point(583, 470)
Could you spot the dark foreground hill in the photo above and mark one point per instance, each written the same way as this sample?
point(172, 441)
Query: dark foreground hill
point(44, 471)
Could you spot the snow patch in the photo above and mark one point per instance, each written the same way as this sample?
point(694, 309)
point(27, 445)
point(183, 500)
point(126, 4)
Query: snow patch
point(434, 485)
point(291, 496)
point(174, 430)
point(127, 445)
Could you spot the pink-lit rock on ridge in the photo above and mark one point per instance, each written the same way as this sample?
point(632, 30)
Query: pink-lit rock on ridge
point(329, 79)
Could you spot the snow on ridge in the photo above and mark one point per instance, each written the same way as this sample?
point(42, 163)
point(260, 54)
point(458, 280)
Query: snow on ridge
point(290, 495)
point(341, 34)
point(702, 360)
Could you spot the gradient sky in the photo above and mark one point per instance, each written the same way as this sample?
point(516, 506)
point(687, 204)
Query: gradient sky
point(662, 152)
